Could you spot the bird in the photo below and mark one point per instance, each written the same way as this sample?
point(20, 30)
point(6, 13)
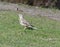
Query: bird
point(25, 23)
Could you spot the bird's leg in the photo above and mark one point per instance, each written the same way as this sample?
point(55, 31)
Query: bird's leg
point(25, 28)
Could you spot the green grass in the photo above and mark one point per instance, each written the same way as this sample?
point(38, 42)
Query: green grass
point(13, 35)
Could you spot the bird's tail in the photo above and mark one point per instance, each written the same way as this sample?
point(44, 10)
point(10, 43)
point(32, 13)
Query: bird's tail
point(34, 28)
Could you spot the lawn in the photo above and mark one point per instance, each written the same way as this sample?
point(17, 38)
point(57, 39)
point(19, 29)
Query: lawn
point(13, 35)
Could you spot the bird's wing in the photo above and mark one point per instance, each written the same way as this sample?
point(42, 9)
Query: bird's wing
point(26, 22)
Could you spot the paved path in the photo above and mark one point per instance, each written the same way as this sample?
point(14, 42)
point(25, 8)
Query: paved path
point(51, 13)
